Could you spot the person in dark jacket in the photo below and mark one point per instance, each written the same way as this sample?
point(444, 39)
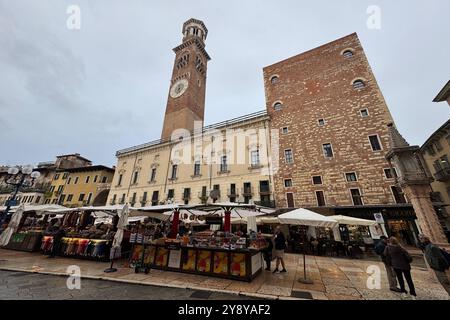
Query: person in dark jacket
point(399, 259)
point(379, 250)
point(57, 234)
point(280, 246)
point(437, 261)
point(267, 253)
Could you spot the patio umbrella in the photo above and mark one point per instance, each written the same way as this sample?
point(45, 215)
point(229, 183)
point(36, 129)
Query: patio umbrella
point(353, 221)
point(306, 217)
point(118, 237)
point(12, 226)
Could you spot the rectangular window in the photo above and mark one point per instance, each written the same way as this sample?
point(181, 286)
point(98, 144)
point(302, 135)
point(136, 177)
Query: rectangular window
point(89, 198)
point(255, 158)
point(133, 199)
point(351, 177)
point(144, 198)
point(390, 173)
point(119, 183)
point(321, 122)
point(122, 200)
point(104, 179)
point(197, 168)
point(153, 175)
point(52, 188)
point(290, 200)
point(203, 191)
point(76, 180)
point(60, 188)
point(285, 130)
point(187, 193)
point(364, 113)
point(174, 172)
point(68, 180)
point(81, 197)
point(287, 183)
point(288, 156)
point(87, 179)
point(327, 150)
point(356, 197)
point(135, 177)
point(69, 198)
point(38, 199)
point(223, 164)
point(56, 177)
point(65, 175)
point(317, 179)
point(95, 179)
point(114, 199)
point(397, 192)
point(171, 194)
point(375, 143)
point(320, 199)
point(155, 198)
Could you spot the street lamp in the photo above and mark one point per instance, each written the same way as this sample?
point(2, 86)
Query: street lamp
point(18, 178)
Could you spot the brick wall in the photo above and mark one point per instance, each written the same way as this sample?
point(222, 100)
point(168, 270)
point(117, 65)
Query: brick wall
point(318, 85)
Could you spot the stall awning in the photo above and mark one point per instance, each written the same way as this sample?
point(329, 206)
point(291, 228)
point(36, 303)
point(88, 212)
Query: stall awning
point(353, 221)
point(306, 218)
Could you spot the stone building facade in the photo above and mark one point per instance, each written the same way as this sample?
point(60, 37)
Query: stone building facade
point(325, 135)
point(436, 153)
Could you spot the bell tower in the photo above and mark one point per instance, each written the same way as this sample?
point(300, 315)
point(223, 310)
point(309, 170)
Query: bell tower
point(186, 100)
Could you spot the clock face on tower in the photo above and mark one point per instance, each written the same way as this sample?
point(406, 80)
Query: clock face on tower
point(178, 88)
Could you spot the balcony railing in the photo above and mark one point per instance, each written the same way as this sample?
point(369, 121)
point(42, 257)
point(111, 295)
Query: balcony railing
point(443, 175)
point(186, 195)
point(112, 202)
point(214, 194)
point(232, 192)
point(268, 204)
point(103, 186)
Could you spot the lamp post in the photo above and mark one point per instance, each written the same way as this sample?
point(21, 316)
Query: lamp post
point(18, 178)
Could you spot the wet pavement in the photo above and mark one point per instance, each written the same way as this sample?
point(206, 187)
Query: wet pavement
point(33, 286)
point(333, 278)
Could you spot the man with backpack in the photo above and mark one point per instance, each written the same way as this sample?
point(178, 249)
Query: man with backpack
point(439, 261)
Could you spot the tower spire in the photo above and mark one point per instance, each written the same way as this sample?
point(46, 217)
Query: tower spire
point(395, 138)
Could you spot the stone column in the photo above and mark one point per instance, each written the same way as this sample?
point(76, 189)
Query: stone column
point(419, 196)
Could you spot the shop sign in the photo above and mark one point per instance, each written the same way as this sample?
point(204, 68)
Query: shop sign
point(378, 217)
point(174, 259)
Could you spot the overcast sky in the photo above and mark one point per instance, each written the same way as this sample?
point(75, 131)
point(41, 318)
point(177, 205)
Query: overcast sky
point(104, 87)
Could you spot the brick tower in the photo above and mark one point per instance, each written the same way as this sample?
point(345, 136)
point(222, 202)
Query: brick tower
point(186, 100)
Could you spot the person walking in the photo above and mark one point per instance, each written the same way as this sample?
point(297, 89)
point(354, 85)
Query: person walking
point(280, 246)
point(399, 259)
point(267, 253)
point(57, 234)
point(392, 278)
point(436, 259)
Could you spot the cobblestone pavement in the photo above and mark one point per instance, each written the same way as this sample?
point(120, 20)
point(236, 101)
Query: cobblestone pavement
point(31, 286)
point(334, 278)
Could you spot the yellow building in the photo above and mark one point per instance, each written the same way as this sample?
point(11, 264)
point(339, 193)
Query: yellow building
point(88, 185)
point(224, 162)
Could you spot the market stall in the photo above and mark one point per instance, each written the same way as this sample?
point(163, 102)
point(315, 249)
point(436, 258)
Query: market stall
point(88, 233)
point(27, 225)
point(211, 252)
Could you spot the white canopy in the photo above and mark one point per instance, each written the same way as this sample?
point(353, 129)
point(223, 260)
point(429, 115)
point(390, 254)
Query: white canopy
point(353, 221)
point(306, 218)
point(12, 226)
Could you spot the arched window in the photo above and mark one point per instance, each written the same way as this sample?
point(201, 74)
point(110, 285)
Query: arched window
point(347, 53)
point(274, 80)
point(359, 84)
point(278, 106)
